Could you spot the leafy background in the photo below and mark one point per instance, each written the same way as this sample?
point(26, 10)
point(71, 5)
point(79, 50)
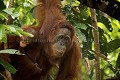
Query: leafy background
point(79, 15)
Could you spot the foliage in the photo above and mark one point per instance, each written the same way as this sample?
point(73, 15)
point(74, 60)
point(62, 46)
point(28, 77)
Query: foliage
point(79, 15)
point(6, 65)
point(109, 39)
point(10, 51)
point(18, 19)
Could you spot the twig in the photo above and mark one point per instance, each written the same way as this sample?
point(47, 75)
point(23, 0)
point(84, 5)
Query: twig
point(99, 54)
point(96, 43)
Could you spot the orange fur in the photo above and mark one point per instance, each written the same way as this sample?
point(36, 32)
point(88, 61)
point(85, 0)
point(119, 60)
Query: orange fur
point(35, 64)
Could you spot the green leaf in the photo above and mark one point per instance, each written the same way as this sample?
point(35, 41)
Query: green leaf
point(16, 27)
point(106, 22)
point(12, 29)
point(1, 30)
point(10, 51)
point(17, 33)
point(15, 14)
point(80, 35)
point(2, 16)
point(84, 12)
point(9, 28)
point(2, 33)
point(113, 68)
point(81, 26)
point(113, 45)
point(76, 3)
point(8, 66)
point(25, 33)
point(9, 10)
point(118, 62)
point(27, 17)
point(91, 73)
point(4, 39)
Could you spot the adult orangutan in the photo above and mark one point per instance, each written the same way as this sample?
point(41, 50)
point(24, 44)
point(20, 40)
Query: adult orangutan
point(54, 45)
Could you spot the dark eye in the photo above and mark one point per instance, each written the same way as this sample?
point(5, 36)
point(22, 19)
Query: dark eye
point(63, 40)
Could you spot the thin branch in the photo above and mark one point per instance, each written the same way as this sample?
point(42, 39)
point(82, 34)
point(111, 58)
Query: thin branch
point(100, 55)
point(96, 43)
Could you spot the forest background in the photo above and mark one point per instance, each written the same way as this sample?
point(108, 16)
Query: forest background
point(98, 34)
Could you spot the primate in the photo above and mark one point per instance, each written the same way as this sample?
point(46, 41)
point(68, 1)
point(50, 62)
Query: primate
point(54, 45)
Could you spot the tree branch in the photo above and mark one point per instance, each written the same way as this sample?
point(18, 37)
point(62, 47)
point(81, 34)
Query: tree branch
point(96, 43)
point(110, 7)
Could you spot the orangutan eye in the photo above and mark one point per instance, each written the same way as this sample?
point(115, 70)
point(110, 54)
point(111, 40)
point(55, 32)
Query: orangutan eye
point(63, 40)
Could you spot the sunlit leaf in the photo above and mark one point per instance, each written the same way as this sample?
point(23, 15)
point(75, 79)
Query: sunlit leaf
point(17, 33)
point(15, 14)
point(76, 3)
point(2, 33)
point(16, 27)
point(9, 10)
point(25, 33)
point(26, 19)
point(106, 22)
point(2, 16)
point(12, 29)
point(10, 51)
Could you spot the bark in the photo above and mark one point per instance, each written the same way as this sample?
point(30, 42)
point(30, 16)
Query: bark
point(96, 43)
point(110, 7)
